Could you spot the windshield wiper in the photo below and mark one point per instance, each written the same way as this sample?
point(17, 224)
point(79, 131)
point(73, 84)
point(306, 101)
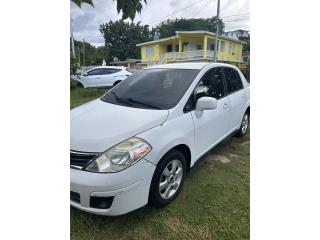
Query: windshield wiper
point(142, 103)
point(118, 99)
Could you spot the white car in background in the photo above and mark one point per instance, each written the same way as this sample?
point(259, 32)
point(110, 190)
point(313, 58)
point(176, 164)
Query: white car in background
point(104, 76)
point(135, 144)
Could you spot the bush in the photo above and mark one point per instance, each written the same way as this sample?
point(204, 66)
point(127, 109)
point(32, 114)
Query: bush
point(73, 84)
point(74, 65)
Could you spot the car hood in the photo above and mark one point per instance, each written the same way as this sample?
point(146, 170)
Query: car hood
point(96, 126)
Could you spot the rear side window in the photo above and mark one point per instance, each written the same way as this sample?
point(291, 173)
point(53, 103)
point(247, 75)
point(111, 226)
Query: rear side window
point(114, 70)
point(107, 71)
point(233, 80)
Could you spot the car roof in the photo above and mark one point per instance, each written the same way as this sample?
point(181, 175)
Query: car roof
point(116, 67)
point(189, 65)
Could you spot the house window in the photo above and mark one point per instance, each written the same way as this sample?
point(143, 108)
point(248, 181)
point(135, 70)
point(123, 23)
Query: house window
point(233, 48)
point(198, 47)
point(169, 48)
point(177, 47)
point(222, 46)
point(150, 52)
point(212, 47)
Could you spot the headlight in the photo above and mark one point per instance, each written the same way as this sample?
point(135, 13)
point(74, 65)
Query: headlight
point(120, 156)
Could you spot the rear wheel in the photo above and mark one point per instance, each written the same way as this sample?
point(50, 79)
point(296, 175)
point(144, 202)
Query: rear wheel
point(244, 125)
point(168, 179)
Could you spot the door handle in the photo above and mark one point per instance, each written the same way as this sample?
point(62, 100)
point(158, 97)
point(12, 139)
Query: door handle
point(226, 105)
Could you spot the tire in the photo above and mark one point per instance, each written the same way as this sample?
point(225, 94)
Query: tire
point(79, 85)
point(244, 125)
point(116, 83)
point(175, 180)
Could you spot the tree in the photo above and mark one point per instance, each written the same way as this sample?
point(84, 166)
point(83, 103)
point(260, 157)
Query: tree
point(92, 55)
point(121, 38)
point(100, 55)
point(167, 28)
point(129, 8)
point(74, 65)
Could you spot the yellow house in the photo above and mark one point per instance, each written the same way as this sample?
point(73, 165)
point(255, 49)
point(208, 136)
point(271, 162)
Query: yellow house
point(190, 46)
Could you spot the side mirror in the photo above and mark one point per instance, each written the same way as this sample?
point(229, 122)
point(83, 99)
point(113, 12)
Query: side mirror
point(85, 74)
point(206, 103)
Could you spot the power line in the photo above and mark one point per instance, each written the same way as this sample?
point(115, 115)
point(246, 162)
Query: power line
point(236, 15)
point(188, 6)
point(201, 9)
point(234, 20)
point(243, 15)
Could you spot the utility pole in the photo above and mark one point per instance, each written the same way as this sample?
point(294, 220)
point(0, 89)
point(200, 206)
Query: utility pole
point(83, 51)
point(72, 39)
point(215, 56)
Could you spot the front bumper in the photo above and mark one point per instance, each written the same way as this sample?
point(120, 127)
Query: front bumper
point(130, 188)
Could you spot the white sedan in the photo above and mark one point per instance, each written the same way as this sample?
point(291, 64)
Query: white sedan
point(135, 144)
point(104, 76)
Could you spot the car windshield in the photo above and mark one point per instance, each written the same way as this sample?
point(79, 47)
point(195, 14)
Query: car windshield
point(152, 88)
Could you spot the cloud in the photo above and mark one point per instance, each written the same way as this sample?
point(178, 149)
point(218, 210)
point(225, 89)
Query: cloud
point(87, 19)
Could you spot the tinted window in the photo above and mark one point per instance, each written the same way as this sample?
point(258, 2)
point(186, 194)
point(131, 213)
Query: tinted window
point(97, 71)
point(116, 70)
point(106, 71)
point(152, 88)
point(233, 80)
point(210, 85)
point(103, 71)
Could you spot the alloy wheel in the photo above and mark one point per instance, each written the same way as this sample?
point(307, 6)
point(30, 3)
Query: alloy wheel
point(170, 179)
point(245, 124)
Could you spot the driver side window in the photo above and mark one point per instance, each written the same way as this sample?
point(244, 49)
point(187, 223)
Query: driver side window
point(96, 71)
point(210, 85)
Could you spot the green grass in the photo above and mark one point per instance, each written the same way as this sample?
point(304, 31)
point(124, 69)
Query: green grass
point(82, 95)
point(213, 204)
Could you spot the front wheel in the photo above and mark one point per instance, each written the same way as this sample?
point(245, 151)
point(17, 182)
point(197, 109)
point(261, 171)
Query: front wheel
point(244, 125)
point(79, 85)
point(116, 83)
point(168, 179)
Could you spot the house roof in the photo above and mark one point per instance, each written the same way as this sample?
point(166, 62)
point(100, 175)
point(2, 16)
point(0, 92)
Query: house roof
point(187, 32)
point(156, 41)
point(208, 33)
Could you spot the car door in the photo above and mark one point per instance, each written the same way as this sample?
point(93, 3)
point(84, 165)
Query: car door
point(237, 96)
point(92, 78)
point(211, 126)
point(106, 78)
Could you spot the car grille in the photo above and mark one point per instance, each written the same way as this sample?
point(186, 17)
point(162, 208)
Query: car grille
point(80, 159)
point(75, 197)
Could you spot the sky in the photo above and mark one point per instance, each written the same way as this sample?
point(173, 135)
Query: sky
point(87, 19)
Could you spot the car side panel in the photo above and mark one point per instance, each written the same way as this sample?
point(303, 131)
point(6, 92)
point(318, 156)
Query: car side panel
point(110, 79)
point(179, 130)
point(211, 125)
point(238, 102)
